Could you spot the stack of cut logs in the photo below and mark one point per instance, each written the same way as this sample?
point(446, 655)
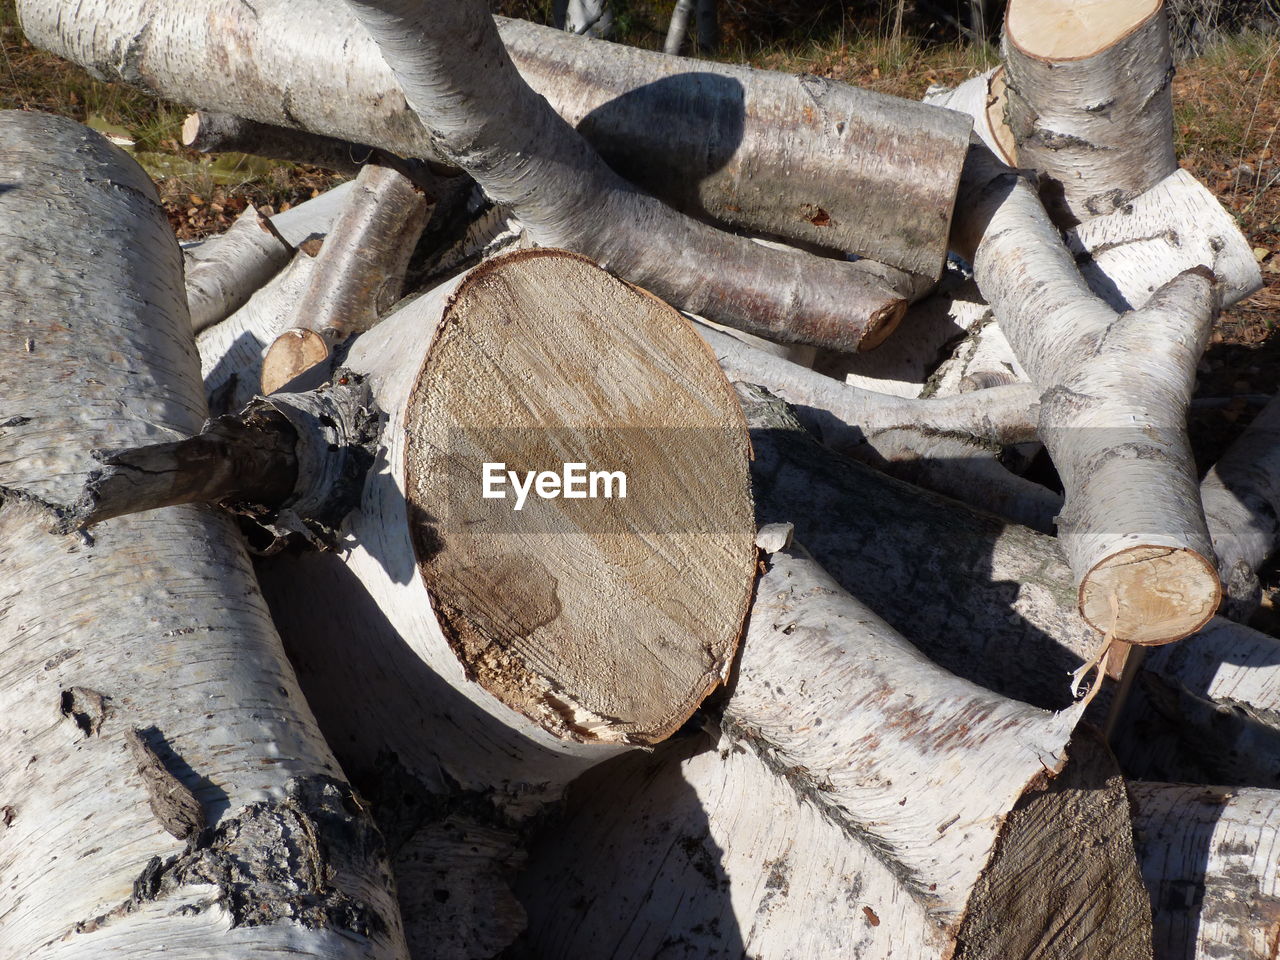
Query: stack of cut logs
point(758, 699)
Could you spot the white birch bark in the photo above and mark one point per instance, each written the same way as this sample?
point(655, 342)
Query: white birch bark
point(678, 28)
point(232, 352)
point(1090, 100)
point(309, 220)
point(873, 861)
point(1002, 416)
point(248, 255)
point(983, 99)
point(994, 602)
point(1210, 860)
point(489, 122)
point(1128, 254)
point(709, 138)
point(502, 652)
point(359, 272)
point(166, 788)
point(1241, 497)
point(1113, 406)
point(904, 365)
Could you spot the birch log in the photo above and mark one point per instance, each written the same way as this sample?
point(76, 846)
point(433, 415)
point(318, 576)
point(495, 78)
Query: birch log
point(1113, 408)
point(249, 254)
point(165, 787)
point(948, 445)
point(1127, 253)
point(232, 352)
point(712, 139)
point(359, 273)
point(1241, 496)
point(837, 710)
point(1090, 100)
point(1209, 858)
point(213, 132)
point(994, 603)
point(489, 122)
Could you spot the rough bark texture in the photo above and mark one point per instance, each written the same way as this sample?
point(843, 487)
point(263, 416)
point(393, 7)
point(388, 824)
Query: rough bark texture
point(232, 352)
point(1090, 100)
point(1128, 254)
point(949, 445)
point(359, 272)
point(147, 698)
point(1113, 408)
point(1003, 416)
point(703, 136)
point(1210, 861)
point(994, 603)
point(249, 254)
point(1241, 496)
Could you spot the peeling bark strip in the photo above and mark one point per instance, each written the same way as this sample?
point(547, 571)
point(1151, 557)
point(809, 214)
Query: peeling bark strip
point(1114, 391)
point(1090, 101)
point(994, 603)
point(153, 622)
point(565, 195)
point(1209, 859)
point(359, 272)
point(722, 138)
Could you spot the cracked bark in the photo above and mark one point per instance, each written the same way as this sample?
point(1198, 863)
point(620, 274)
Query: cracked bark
point(153, 623)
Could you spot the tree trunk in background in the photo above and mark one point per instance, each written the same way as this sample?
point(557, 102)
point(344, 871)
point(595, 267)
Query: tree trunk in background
point(678, 29)
point(585, 18)
point(1090, 100)
point(165, 784)
point(795, 157)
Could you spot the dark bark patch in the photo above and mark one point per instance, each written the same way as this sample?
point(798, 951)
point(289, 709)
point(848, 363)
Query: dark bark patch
point(87, 708)
point(174, 805)
point(276, 862)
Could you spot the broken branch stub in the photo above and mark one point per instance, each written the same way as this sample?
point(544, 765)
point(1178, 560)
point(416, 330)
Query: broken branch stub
point(164, 779)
